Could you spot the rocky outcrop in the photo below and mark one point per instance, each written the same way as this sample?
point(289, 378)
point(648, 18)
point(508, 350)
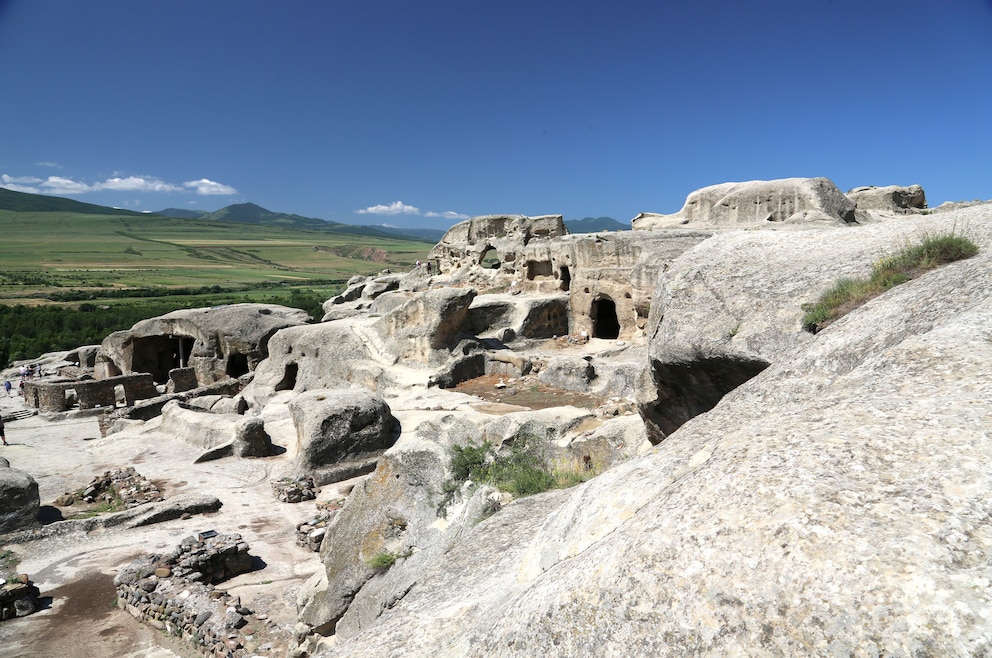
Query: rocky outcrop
point(893, 198)
point(19, 500)
point(756, 204)
point(340, 433)
point(803, 514)
point(426, 326)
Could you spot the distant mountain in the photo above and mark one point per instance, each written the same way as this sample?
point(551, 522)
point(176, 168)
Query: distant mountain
point(250, 213)
point(24, 202)
point(595, 225)
point(180, 213)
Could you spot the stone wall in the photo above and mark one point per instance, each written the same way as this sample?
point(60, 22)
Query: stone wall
point(61, 395)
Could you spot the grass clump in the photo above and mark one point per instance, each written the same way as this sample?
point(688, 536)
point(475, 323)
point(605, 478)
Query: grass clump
point(382, 561)
point(522, 468)
point(906, 264)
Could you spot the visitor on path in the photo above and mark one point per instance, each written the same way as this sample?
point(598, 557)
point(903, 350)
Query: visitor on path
point(2, 436)
point(6, 386)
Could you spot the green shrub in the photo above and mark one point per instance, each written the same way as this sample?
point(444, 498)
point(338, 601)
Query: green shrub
point(382, 561)
point(907, 263)
point(521, 468)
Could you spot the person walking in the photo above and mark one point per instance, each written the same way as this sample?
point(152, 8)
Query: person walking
point(2, 435)
point(6, 386)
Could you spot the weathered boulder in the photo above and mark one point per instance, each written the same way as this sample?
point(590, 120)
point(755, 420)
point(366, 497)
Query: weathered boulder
point(756, 204)
point(340, 433)
point(571, 373)
point(19, 500)
point(209, 430)
point(892, 197)
point(218, 342)
point(525, 316)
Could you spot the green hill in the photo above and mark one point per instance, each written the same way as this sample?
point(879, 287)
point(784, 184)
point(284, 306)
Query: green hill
point(181, 213)
point(23, 202)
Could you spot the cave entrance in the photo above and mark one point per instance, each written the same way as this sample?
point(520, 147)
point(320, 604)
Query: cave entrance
point(157, 355)
point(288, 381)
point(604, 318)
point(237, 364)
point(565, 278)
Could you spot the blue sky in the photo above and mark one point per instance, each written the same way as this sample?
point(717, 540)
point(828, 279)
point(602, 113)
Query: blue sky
point(419, 113)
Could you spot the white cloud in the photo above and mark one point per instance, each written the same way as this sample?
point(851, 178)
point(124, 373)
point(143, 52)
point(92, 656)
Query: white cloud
point(395, 208)
point(60, 185)
point(136, 184)
point(206, 186)
point(63, 185)
point(52, 165)
point(20, 180)
point(447, 214)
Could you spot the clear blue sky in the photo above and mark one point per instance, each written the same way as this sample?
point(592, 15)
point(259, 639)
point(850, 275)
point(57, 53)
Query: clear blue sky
point(398, 112)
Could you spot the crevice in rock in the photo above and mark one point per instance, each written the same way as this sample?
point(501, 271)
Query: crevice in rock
point(687, 389)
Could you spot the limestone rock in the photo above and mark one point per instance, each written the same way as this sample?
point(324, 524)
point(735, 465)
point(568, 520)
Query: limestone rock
point(340, 433)
point(526, 316)
point(892, 197)
point(19, 500)
point(757, 204)
point(326, 355)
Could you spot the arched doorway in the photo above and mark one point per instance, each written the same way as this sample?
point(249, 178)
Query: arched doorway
point(604, 318)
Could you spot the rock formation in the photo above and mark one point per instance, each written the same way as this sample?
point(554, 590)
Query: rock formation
point(755, 204)
point(891, 197)
point(19, 499)
point(778, 493)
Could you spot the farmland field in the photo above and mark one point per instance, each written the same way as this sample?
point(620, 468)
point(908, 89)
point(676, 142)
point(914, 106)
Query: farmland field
point(69, 279)
point(44, 252)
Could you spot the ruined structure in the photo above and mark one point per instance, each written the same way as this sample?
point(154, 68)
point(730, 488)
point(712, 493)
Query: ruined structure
point(217, 343)
point(602, 281)
point(56, 395)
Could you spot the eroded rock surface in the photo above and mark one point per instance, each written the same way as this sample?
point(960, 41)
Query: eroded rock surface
point(757, 204)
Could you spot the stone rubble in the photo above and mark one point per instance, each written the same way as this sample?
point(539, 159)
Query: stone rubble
point(176, 593)
point(310, 533)
point(124, 485)
point(294, 490)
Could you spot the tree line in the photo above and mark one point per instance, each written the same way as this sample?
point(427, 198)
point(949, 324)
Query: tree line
point(27, 332)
